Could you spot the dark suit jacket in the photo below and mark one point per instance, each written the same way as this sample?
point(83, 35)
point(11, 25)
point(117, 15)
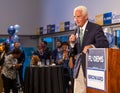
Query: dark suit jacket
point(93, 35)
point(54, 55)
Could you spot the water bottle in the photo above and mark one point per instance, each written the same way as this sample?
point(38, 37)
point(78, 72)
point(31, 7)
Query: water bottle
point(39, 63)
point(47, 62)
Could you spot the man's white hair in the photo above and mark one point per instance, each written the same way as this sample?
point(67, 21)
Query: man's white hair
point(83, 9)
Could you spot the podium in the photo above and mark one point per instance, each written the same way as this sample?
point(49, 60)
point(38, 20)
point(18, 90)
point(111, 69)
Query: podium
point(103, 70)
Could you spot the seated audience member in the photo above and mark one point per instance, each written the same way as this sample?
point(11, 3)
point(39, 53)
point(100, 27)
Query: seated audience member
point(42, 53)
point(34, 60)
point(56, 50)
point(67, 70)
point(63, 55)
point(63, 61)
point(39, 52)
point(46, 52)
point(9, 70)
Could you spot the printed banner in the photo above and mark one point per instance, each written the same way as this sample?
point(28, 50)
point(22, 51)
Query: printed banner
point(67, 26)
point(52, 28)
point(62, 26)
point(48, 29)
point(45, 30)
point(107, 18)
point(96, 79)
point(96, 59)
point(115, 17)
point(99, 19)
point(41, 30)
point(37, 31)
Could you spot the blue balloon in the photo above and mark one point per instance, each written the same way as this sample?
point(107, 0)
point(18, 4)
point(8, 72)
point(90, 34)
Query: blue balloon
point(17, 27)
point(11, 46)
point(7, 40)
point(11, 30)
point(15, 38)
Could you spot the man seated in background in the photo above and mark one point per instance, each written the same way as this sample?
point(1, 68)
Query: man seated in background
point(56, 51)
point(43, 52)
point(47, 53)
point(39, 52)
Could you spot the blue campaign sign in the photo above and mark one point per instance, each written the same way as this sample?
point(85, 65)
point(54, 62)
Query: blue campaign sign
point(41, 30)
point(107, 18)
point(96, 58)
point(48, 29)
point(52, 28)
point(67, 25)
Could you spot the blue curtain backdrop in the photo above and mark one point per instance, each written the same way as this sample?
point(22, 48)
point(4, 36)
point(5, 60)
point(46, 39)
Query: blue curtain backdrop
point(28, 53)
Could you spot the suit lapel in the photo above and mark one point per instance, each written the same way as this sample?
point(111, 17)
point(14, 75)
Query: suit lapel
point(85, 33)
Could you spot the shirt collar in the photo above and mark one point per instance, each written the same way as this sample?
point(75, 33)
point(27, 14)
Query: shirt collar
point(84, 26)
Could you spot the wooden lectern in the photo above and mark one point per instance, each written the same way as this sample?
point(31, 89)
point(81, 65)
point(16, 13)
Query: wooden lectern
point(103, 70)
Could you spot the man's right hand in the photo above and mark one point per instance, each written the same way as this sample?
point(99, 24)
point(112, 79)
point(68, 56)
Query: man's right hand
point(72, 38)
point(17, 66)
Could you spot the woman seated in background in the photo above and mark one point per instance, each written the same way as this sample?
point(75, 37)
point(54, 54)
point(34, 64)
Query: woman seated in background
point(34, 60)
point(63, 60)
